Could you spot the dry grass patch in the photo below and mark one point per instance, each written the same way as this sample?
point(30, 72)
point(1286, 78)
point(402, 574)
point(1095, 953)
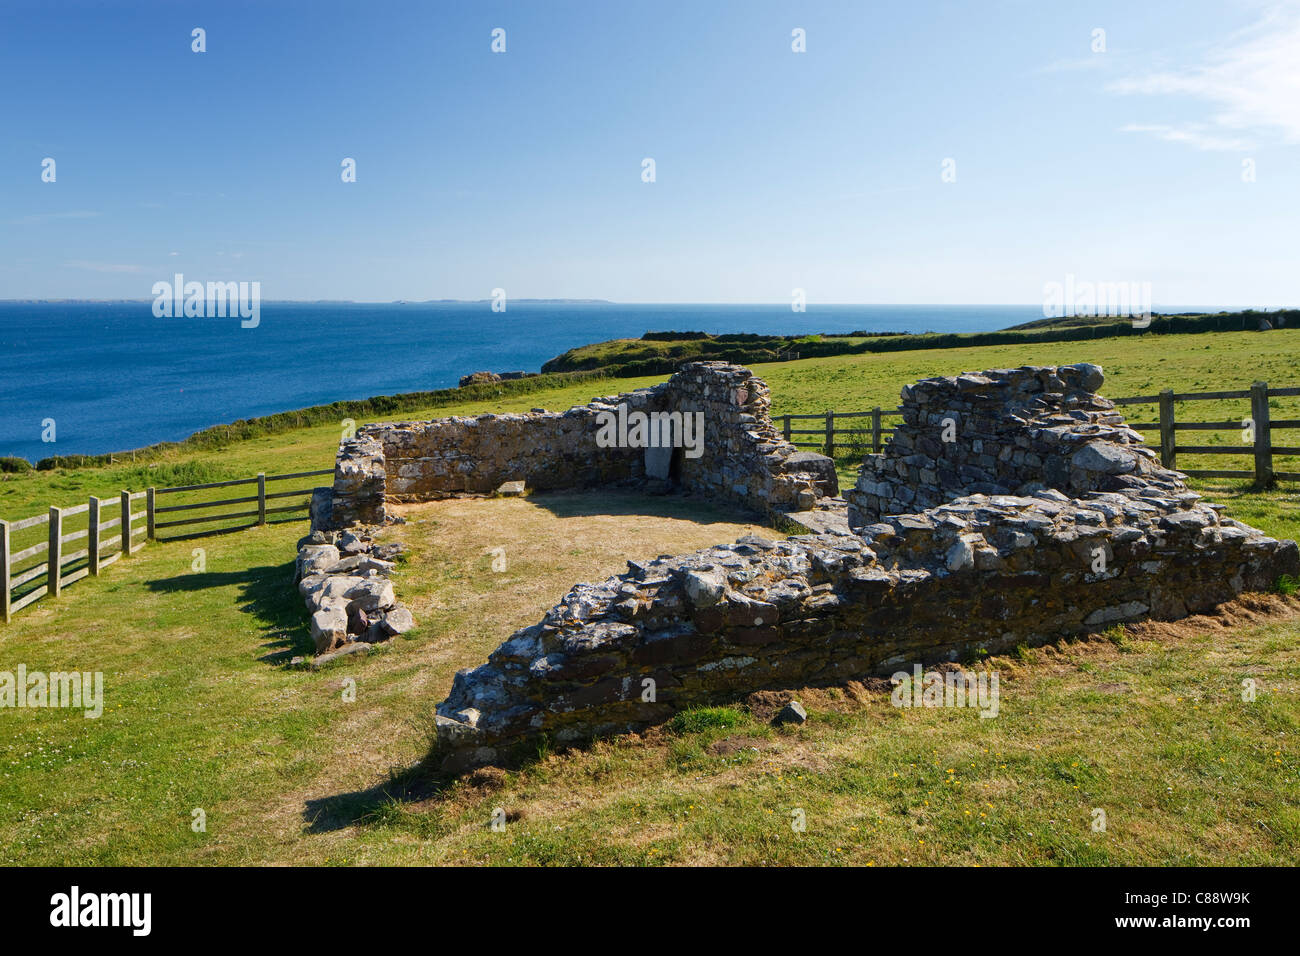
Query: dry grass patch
point(546, 543)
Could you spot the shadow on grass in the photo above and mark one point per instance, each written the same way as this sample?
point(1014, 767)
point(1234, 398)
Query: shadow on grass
point(266, 593)
point(421, 782)
point(359, 807)
point(594, 502)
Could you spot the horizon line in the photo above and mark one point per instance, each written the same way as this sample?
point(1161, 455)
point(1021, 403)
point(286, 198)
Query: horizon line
point(30, 300)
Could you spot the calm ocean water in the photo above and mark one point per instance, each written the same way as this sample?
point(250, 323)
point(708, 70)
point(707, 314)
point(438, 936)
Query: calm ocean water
point(113, 377)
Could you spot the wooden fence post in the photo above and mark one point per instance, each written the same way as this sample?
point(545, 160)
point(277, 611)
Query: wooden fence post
point(1168, 450)
point(126, 524)
point(4, 570)
point(149, 515)
point(261, 497)
point(786, 428)
point(92, 534)
point(875, 430)
point(55, 553)
point(1263, 438)
point(830, 434)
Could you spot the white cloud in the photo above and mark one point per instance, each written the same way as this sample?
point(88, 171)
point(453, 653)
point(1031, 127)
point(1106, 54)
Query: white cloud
point(1252, 81)
point(1193, 134)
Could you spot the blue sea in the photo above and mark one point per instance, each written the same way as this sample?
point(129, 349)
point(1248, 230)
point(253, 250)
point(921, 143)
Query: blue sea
point(113, 377)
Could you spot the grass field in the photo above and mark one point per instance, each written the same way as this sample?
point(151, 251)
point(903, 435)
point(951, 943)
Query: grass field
point(1146, 723)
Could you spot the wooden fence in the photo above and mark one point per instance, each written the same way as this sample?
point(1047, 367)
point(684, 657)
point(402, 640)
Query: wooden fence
point(833, 437)
point(60, 568)
point(1258, 427)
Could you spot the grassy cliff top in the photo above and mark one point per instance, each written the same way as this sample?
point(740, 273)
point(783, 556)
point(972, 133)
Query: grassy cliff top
point(659, 352)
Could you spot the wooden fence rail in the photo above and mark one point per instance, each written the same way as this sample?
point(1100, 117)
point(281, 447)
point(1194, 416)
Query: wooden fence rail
point(57, 569)
point(1257, 429)
point(828, 431)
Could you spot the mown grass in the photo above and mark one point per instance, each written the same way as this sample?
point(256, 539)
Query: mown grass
point(201, 712)
point(1158, 739)
point(1148, 725)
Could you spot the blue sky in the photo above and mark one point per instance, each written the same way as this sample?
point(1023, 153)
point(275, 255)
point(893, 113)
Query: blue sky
point(774, 170)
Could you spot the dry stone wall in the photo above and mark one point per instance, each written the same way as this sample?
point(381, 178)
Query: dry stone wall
point(986, 572)
point(743, 456)
point(547, 450)
point(344, 579)
point(736, 453)
point(360, 483)
point(1098, 535)
point(1004, 432)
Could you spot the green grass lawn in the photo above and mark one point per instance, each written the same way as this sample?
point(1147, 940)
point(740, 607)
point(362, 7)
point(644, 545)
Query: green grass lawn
point(1147, 724)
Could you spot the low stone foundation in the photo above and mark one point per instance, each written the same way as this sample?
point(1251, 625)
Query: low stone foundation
point(982, 572)
point(343, 578)
point(1119, 540)
point(737, 453)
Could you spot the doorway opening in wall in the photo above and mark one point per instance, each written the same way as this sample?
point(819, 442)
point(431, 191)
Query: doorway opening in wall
point(675, 470)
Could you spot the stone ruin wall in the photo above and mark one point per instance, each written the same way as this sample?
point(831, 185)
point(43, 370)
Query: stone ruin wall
point(1098, 534)
point(744, 460)
point(343, 577)
point(546, 450)
point(1008, 431)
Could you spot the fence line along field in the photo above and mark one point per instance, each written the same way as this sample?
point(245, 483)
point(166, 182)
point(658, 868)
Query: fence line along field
point(37, 556)
point(1260, 432)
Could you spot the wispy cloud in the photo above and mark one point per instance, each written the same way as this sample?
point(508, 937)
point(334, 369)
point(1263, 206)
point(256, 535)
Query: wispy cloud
point(101, 266)
point(1252, 82)
point(1193, 134)
point(1093, 61)
point(36, 218)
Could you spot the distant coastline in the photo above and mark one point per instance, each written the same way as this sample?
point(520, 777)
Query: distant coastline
point(172, 380)
point(320, 301)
